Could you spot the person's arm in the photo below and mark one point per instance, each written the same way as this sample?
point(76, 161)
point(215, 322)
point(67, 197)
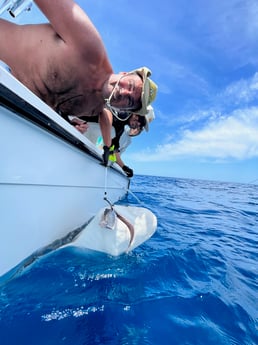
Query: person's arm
point(71, 23)
point(126, 169)
point(105, 122)
point(119, 160)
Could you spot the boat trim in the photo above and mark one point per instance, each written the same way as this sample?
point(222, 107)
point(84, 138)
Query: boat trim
point(19, 106)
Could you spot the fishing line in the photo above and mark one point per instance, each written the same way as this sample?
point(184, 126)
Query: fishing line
point(105, 189)
point(105, 184)
point(128, 191)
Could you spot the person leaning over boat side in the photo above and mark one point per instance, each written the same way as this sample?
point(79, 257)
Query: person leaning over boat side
point(133, 121)
point(65, 63)
point(124, 131)
point(135, 126)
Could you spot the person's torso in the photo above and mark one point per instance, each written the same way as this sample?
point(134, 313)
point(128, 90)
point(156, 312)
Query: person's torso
point(67, 81)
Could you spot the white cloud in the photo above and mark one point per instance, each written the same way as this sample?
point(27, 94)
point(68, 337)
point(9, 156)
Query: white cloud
point(242, 90)
point(231, 137)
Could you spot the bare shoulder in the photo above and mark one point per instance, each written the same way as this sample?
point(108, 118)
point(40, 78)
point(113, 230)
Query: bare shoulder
point(71, 23)
point(6, 25)
point(8, 39)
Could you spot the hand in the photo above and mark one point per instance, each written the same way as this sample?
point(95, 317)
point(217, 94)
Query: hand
point(80, 125)
point(109, 154)
point(128, 171)
point(105, 155)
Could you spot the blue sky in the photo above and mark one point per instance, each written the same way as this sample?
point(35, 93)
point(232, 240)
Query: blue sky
point(204, 58)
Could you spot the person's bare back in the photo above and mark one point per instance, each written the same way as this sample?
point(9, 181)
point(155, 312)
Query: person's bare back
point(65, 63)
point(66, 76)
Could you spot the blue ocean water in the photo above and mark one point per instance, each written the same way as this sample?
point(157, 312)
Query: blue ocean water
point(194, 282)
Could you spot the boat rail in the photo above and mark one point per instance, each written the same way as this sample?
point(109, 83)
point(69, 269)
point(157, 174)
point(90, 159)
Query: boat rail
point(21, 101)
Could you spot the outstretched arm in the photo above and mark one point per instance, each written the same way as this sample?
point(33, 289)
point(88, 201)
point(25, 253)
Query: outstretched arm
point(119, 160)
point(71, 23)
point(105, 122)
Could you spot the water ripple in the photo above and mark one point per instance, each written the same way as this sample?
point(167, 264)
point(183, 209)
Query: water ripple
point(193, 282)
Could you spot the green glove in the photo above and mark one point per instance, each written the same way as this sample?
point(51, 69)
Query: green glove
point(109, 154)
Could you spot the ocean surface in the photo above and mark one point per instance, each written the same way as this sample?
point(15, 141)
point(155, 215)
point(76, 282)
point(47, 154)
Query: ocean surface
point(194, 282)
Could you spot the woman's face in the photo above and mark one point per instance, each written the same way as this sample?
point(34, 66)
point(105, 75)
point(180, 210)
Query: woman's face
point(135, 125)
point(134, 121)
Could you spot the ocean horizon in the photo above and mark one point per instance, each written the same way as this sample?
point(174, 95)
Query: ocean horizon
point(193, 282)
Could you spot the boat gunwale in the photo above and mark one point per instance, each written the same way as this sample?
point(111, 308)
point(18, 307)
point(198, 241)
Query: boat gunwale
point(21, 107)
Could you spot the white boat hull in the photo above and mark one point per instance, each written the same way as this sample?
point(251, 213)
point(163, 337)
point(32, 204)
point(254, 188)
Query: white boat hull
point(51, 181)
